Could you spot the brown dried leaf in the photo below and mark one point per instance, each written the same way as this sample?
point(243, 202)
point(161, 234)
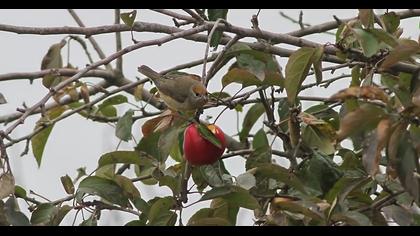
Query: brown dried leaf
point(375, 143)
point(161, 122)
point(405, 49)
point(361, 119)
point(366, 17)
point(366, 92)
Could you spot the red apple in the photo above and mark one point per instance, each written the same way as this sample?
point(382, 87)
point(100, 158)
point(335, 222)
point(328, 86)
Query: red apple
point(198, 150)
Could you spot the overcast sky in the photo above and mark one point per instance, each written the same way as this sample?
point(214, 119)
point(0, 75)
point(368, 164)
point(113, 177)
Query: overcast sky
point(76, 142)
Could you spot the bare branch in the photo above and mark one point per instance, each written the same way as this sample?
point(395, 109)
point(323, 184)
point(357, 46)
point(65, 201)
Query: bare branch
point(175, 15)
point(118, 42)
point(102, 62)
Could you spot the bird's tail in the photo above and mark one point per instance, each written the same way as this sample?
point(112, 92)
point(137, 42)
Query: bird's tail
point(147, 71)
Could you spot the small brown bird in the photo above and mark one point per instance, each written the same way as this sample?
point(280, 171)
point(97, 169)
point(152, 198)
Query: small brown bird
point(180, 91)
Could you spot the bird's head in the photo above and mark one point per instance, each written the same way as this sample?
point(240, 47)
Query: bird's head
point(198, 96)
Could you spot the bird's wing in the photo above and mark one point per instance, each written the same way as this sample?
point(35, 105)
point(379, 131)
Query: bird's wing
point(179, 94)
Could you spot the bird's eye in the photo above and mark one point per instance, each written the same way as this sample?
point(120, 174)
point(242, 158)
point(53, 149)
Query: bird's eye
point(197, 94)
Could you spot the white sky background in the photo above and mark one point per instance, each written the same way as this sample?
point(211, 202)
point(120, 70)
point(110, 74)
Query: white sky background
point(76, 142)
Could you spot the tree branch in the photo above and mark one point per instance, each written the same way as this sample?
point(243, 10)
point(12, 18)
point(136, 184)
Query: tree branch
point(321, 28)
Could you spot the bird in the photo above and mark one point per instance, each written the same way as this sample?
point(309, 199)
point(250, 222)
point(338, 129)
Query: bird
point(181, 92)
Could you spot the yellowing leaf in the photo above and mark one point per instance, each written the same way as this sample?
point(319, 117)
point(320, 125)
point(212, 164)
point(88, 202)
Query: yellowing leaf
point(129, 17)
point(52, 60)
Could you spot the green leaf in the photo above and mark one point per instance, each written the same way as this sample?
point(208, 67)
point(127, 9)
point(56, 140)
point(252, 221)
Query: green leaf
point(391, 21)
point(297, 69)
point(208, 135)
point(262, 151)
point(115, 100)
point(20, 192)
point(383, 36)
point(251, 117)
point(317, 62)
point(200, 214)
point(198, 178)
point(240, 76)
point(167, 140)
point(2, 99)
point(235, 195)
point(123, 157)
point(211, 175)
point(319, 173)
point(44, 214)
point(39, 140)
point(129, 17)
point(279, 173)
point(172, 182)
point(368, 42)
point(225, 210)
point(107, 108)
point(67, 184)
point(403, 158)
point(397, 85)
point(252, 67)
point(149, 145)
point(62, 212)
point(124, 125)
point(213, 15)
point(283, 111)
point(160, 213)
point(105, 188)
point(13, 215)
point(216, 192)
point(52, 60)
point(315, 138)
point(7, 185)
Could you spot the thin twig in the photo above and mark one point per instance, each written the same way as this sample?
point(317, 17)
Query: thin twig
point(95, 45)
point(194, 15)
point(175, 15)
point(206, 53)
point(216, 66)
point(118, 42)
